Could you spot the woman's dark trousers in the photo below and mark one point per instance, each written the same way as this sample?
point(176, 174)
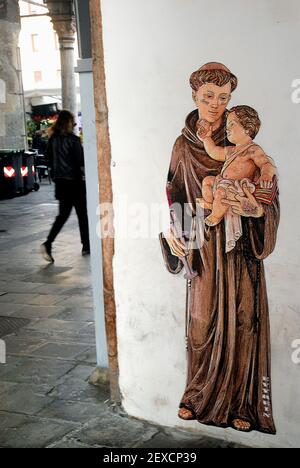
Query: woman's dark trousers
point(71, 194)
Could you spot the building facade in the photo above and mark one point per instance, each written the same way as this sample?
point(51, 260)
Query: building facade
point(40, 56)
point(12, 126)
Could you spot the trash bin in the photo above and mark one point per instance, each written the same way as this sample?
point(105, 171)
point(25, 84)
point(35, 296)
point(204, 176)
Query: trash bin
point(28, 171)
point(11, 179)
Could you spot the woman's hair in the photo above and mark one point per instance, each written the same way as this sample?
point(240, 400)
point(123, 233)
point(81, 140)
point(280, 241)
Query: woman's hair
point(248, 118)
point(218, 77)
point(61, 126)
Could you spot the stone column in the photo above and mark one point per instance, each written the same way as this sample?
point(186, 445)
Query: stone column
point(85, 70)
point(63, 19)
point(12, 121)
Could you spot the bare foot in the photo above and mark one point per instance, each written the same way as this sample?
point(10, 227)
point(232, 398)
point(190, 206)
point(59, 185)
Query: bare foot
point(185, 413)
point(204, 204)
point(212, 220)
point(241, 425)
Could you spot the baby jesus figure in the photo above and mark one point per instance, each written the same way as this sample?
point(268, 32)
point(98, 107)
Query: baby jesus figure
point(246, 165)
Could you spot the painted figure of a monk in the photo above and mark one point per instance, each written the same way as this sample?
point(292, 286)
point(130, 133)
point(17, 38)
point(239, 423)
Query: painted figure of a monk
point(228, 333)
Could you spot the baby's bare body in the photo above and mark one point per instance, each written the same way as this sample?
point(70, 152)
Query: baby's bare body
point(242, 163)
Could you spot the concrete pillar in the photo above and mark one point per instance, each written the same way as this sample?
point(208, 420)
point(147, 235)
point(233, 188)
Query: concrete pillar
point(85, 70)
point(12, 122)
point(63, 19)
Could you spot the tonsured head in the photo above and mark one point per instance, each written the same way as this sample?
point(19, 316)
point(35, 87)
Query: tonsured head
point(212, 86)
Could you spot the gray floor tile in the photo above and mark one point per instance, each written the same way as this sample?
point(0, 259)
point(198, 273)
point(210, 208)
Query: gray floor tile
point(20, 431)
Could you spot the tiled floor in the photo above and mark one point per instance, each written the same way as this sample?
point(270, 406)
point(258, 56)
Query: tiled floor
point(45, 397)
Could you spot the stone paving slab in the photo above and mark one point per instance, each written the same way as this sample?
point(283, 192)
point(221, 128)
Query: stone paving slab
point(87, 339)
point(80, 314)
point(31, 370)
point(30, 311)
point(174, 438)
point(72, 411)
point(5, 387)
point(70, 444)
point(88, 356)
point(59, 350)
point(22, 347)
point(26, 399)
point(21, 431)
point(112, 430)
point(19, 286)
point(65, 327)
point(31, 299)
point(75, 387)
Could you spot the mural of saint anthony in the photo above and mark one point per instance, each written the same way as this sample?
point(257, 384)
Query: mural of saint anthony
point(228, 337)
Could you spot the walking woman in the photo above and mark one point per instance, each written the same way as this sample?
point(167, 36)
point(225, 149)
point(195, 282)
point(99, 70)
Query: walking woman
point(66, 163)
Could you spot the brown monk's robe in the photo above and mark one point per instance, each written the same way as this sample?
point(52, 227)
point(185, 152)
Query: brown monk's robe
point(229, 374)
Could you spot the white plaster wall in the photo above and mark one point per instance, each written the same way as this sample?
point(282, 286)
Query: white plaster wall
point(151, 47)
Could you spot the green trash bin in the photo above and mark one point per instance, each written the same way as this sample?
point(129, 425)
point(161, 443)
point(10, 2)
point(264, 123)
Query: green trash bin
point(28, 171)
point(11, 178)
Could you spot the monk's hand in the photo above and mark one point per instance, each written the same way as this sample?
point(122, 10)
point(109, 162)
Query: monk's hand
point(244, 205)
point(176, 246)
point(204, 129)
point(266, 181)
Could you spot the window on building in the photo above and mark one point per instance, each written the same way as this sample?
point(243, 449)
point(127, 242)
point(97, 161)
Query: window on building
point(38, 76)
point(34, 42)
point(32, 8)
